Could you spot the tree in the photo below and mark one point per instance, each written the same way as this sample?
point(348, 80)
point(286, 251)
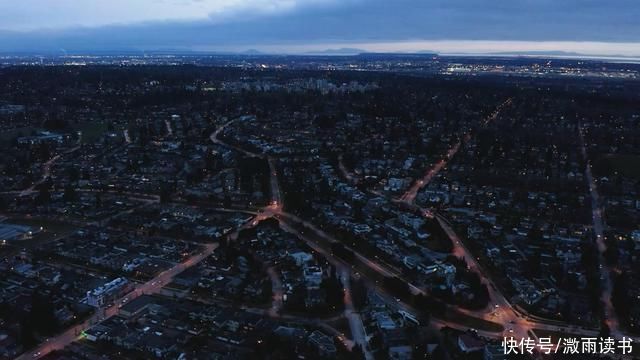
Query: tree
point(357, 353)
point(533, 263)
point(226, 200)
point(165, 193)
point(359, 293)
point(605, 332)
point(296, 301)
point(334, 291)
point(611, 253)
point(73, 173)
point(397, 286)
point(439, 239)
point(70, 194)
point(44, 197)
point(271, 222)
point(427, 305)
point(267, 290)
point(247, 234)
point(27, 336)
point(42, 315)
point(620, 296)
point(342, 252)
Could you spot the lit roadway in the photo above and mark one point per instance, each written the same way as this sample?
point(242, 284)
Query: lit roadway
point(355, 320)
point(275, 210)
point(410, 195)
point(520, 326)
point(500, 310)
point(127, 138)
point(517, 322)
point(345, 172)
point(384, 270)
point(598, 228)
point(278, 293)
point(276, 197)
point(150, 287)
point(214, 138)
point(46, 171)
point(275, 188)
point(275, 206)
point(321, 323)
point(344, 270)
point(215, 134)
point(169, 128)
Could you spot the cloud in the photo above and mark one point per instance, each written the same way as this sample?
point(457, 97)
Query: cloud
point(283, 24)
point(26, 15)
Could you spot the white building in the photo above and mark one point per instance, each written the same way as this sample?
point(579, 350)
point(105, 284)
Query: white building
point(313, 276)
point(301, 257)
point(104, 294)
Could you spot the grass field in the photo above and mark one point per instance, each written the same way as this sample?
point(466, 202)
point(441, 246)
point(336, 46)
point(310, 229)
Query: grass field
point(93, 131)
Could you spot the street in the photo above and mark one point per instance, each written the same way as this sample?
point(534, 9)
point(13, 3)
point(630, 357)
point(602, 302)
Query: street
point(150, 287)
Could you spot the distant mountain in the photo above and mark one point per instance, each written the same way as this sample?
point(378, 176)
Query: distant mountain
point(559, 54)
point(252, 52)
point(420, 54)
point(340, 51)
point(538, 53)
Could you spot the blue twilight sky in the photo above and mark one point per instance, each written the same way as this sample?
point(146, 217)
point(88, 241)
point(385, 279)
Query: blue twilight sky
point(597, 27)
